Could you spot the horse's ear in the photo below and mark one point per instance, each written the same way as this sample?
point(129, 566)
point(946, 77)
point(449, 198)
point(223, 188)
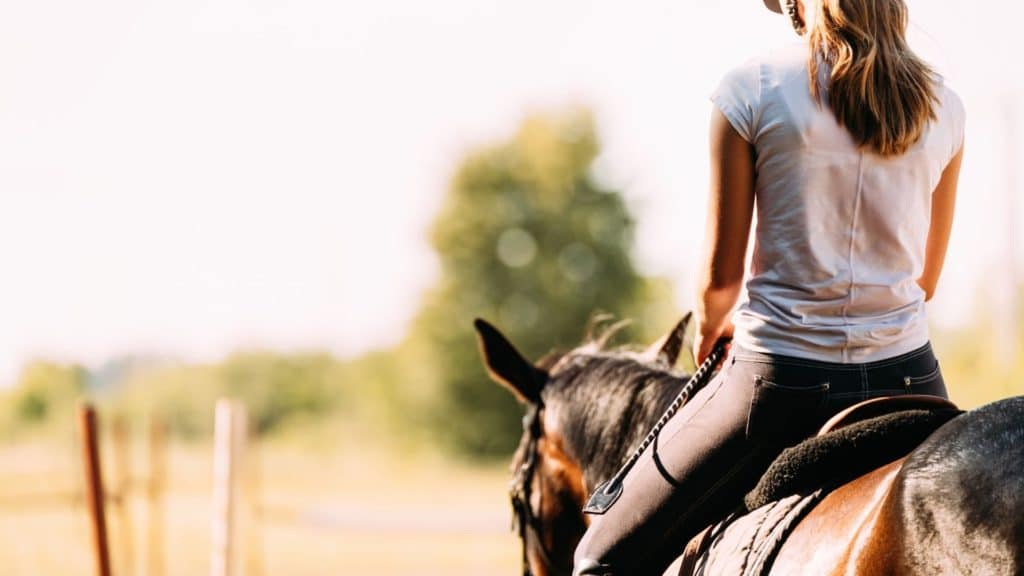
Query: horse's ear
point(666, 350)
point(507, 366)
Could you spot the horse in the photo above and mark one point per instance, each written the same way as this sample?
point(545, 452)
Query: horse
point(954, 505)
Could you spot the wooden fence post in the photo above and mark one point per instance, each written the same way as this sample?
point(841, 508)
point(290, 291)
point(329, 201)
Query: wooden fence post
point(229, 445)
point(94, 487)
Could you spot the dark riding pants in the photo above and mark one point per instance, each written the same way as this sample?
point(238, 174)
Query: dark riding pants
point(716, 447)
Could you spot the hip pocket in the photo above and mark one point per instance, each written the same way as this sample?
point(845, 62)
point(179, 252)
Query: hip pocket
point(925, 381)
point(784, 412)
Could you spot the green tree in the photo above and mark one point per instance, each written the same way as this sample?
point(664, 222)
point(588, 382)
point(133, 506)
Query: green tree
point(530, 241)
point(44, 391)
point(278, 387)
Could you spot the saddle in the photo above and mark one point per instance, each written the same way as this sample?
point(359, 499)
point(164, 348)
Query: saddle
point(854, 442)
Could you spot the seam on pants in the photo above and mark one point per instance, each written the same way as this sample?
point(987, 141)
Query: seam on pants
point(720, 381)
point(682, 425)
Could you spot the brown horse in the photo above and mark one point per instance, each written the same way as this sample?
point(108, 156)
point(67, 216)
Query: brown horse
point(955, 505)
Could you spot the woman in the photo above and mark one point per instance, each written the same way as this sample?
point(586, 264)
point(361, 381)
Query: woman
point(849, 147)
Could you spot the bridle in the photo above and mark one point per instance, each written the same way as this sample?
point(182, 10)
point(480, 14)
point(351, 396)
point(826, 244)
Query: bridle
point(524, 521)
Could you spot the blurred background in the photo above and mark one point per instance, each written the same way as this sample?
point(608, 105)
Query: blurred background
point(302, 205)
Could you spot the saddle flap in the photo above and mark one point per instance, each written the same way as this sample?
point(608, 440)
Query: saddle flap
point(746, 545)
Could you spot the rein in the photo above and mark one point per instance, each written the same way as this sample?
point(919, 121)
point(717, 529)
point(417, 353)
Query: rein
point(523, 519)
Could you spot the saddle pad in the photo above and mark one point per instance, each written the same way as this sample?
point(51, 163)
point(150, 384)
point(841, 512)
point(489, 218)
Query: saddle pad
point(747, 544)
point(844, 454)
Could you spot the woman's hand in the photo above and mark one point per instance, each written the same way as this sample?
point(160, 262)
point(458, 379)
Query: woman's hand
point(706, 338)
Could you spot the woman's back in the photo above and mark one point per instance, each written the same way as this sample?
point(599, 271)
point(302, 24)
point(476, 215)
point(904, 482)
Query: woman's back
point(841, 231)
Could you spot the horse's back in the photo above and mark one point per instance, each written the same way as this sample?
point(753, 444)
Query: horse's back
point(959, 499)
point(955, 505)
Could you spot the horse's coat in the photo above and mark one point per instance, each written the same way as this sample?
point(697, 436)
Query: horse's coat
point(833, 536)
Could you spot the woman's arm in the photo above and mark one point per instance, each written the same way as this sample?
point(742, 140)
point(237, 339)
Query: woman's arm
point(730, 210)
point(943, 204)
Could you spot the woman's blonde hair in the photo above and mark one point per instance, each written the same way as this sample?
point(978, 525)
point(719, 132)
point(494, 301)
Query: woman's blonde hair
point(877, 87)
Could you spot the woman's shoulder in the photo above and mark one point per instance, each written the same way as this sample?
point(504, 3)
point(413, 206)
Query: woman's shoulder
point(745, 90)
point(742, 78)
point(951, 118)
point(785, 57)
point(949, 100)
point(779, 66)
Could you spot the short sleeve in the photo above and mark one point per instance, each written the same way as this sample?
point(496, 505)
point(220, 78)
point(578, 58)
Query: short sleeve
point(956, 116)
point(738, 97)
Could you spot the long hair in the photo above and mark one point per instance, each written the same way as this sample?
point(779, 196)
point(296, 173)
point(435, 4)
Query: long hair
point(881, 91)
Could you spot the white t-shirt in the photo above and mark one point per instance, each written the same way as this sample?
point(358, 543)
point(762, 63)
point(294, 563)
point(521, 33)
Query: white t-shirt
point(841, 233)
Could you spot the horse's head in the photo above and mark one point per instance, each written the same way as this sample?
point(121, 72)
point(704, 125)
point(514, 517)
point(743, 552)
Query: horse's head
point(584, 410)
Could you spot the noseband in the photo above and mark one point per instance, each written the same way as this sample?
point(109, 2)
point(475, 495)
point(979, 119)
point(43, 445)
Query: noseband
point(524, 521)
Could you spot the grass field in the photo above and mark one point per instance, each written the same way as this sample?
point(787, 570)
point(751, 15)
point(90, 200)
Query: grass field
point(315, 512)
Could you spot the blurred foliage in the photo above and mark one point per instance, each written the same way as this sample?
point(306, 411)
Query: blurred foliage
point(45, 391)
point(277, 389)
point(289, 395)
point(528, 240)
point(976, 367)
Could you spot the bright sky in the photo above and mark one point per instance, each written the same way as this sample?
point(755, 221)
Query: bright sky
point(196, 176)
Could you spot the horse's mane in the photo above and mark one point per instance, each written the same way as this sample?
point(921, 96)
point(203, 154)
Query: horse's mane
point(607, 401)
